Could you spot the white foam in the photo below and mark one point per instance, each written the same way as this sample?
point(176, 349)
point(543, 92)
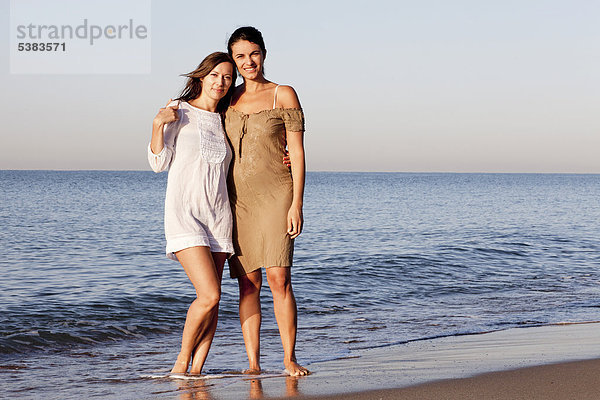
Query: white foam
point(169, 375)
point(184, 376)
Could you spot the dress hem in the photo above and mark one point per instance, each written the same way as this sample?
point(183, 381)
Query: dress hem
point(215, 245)
point(235, 274)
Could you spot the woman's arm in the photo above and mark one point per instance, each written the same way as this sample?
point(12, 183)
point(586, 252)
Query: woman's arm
point(160, 151)
point(287, 98)
point(295, 141)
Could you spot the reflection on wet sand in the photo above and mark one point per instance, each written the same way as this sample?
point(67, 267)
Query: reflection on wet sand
point(197, 389)
point(256, 389)
point(291, 388)
point(201, 389)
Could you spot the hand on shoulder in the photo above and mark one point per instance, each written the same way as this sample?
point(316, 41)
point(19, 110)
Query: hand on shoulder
point(168, 113)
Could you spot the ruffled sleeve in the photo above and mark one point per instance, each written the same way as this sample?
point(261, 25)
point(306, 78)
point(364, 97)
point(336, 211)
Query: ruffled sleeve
point(161, 161)
point(293, 119)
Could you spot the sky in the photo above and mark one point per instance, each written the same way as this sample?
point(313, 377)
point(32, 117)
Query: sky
point(407, 86)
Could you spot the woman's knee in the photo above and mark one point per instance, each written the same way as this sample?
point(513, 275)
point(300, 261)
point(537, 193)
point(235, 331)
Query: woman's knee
point(209, 299)
point(250, 284)
point(279, 279)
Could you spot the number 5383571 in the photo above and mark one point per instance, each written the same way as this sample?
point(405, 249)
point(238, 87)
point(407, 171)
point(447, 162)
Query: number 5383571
point(29, 46)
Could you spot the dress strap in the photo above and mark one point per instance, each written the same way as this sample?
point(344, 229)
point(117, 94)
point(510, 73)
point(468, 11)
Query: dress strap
point(275, 97)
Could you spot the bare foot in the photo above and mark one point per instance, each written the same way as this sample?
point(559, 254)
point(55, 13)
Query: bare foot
point(292, 368)
point(181, 365)
point(251, 371)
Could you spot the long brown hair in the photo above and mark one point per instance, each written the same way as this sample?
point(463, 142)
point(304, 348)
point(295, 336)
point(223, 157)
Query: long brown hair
point(250, 34)
point(193, 86)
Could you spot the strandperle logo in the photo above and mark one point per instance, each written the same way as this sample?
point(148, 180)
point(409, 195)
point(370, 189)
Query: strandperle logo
point(80, 37)
point(85, 31)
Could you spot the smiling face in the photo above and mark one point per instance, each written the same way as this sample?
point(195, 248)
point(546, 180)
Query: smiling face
point(248, 58)
point(218, 81)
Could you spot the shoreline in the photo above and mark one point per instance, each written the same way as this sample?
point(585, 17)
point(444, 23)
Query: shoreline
point(478, 365)
point(560, 360)
point(529, 362)
point(569, 380)
point(423, 363)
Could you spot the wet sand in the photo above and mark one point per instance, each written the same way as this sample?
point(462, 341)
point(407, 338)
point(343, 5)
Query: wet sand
point(549, 362)
point(578, 380)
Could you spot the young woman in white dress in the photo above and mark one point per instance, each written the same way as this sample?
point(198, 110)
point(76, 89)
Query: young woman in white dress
point(188, 139)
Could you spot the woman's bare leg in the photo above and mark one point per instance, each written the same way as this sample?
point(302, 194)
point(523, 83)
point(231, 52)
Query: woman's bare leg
point(200, 268)
point(286, 314)
point(202, 348)
point(250, 317)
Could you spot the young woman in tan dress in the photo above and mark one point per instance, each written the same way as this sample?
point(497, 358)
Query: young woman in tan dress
point(266, 200)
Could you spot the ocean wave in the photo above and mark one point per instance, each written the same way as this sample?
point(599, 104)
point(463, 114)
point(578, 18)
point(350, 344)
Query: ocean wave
point(54, 339)
point(55, 326)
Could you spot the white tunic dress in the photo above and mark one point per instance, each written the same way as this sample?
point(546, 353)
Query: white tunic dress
point(197, 154)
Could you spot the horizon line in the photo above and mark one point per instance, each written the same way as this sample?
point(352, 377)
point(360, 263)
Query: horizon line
point(327, 171)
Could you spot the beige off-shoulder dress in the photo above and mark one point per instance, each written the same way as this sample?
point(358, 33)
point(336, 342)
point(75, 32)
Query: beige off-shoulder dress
point(260, 187)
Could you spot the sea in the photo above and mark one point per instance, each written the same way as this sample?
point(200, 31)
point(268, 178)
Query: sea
point(90, 307)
